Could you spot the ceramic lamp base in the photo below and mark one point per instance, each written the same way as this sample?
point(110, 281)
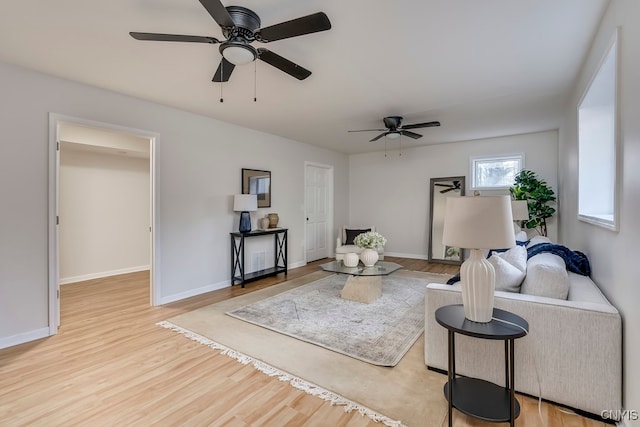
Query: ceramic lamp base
point(478, 279)
point(245, 222)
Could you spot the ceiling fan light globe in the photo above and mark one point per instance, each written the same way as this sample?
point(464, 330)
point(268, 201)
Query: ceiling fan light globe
point(239, 54)
point(393, 135)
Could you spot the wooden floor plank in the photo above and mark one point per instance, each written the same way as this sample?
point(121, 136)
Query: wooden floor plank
point(111, 365)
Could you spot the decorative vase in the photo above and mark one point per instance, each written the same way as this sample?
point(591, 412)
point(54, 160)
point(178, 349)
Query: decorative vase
point(369, 257)
point(351, 259)
point(264, 223)
point(273, 220)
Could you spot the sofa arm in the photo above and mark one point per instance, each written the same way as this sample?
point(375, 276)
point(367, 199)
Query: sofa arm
point(572, 354)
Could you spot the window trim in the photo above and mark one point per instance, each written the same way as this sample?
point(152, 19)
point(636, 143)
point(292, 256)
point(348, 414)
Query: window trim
point(474, 160)
point(609, 222)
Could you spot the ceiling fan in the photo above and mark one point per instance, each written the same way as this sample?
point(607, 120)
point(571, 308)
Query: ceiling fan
point(394, 128)
point(240, 27)
point(455, 185)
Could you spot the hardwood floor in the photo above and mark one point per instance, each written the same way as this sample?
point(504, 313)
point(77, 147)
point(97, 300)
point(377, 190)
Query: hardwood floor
point(110, 365)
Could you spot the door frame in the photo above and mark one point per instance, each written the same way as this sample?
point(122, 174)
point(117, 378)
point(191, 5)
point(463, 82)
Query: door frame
point(330, 214)
point(54, 193)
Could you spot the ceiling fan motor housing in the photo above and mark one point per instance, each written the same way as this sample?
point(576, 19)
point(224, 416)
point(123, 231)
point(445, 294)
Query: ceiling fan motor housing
point(239, 38)
point(392, 122)
point(246, 20)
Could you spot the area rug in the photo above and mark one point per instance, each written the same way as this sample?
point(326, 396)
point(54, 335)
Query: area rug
point(407, 394)
point(380, 332)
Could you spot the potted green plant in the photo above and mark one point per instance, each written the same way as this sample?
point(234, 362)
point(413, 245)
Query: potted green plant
point(527, 186)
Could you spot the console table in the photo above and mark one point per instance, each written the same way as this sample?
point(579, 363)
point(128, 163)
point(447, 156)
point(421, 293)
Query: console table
point(237, 255)
point(474, 397)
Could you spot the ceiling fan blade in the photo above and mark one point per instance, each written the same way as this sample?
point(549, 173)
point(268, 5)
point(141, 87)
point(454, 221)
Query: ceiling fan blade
point(219, 13)
point(442, 185)
point(421, 125)
point(283, 64)
point(296, 27)
point(368, 130)
point(224, 71)
point(173, 38)
point(378, 137)
point(410, 134)
point(446, 191)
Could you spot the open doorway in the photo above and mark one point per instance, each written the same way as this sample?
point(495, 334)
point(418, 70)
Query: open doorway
point(101, 204)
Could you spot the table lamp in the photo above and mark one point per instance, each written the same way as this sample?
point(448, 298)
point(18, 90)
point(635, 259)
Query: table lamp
point(520, 212)
point(245, 203)
point(477, 223)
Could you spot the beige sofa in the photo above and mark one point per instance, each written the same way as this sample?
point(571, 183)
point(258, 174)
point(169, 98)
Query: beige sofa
point(572, 354)
point(348, 232)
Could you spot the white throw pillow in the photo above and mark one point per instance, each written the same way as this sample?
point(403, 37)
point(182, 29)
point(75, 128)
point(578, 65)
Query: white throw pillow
point(546, 276)
point(510, 267)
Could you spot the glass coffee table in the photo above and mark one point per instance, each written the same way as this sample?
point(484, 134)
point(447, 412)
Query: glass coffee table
point(364, 284)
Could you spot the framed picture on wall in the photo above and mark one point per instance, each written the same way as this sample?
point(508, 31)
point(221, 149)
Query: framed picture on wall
point(257, 182)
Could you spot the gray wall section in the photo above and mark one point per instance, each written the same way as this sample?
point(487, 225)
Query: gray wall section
point(198, 170)
point(612, 254)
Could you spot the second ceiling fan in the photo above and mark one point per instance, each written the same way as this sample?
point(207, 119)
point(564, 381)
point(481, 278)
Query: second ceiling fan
point(240, 27)
point(394, 128)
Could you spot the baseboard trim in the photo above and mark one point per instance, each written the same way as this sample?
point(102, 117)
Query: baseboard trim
point(209, 288)
point(404, 255)
point(24, 337)
point(82, 278)
point(193, 292)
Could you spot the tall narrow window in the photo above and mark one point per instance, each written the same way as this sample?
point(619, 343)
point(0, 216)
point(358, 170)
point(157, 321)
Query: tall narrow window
point(597, 145)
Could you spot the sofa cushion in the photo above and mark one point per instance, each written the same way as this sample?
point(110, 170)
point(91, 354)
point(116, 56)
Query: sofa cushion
point(510, 267)
point(351, 234)
point(537, 240)
point(546, 276)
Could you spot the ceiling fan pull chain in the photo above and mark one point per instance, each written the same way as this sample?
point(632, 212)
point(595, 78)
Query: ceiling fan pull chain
point(400, 143)
point(385, 145)
point(255, 81)
point(221, 74)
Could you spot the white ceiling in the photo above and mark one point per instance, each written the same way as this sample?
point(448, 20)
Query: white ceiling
point(483, 68)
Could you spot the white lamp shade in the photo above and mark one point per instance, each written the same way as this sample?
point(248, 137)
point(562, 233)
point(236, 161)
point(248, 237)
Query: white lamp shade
point(393, 135)
point(245, 202)
point(520, 210)
point(481, 222)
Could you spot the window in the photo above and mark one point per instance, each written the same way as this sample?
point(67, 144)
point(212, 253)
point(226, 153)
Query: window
point(597, 146)
point(497, 172)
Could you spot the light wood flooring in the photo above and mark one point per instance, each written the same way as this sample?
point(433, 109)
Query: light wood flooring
point(110, 365)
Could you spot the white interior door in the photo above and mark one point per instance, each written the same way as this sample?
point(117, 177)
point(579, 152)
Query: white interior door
point(318, 210)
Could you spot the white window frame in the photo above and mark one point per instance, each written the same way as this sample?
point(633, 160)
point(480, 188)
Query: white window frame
point(476, 160)
point(591, 155)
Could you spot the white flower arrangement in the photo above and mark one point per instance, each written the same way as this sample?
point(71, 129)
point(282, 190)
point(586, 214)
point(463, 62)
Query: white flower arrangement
point(370, 240)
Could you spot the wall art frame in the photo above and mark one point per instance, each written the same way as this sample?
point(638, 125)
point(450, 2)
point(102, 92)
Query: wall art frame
point(257, 182)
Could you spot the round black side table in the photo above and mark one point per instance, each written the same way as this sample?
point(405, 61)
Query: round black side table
point(475, 397)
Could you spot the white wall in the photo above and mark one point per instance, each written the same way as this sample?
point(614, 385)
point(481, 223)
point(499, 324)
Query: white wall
point(611, 254)
point(104, 207)
point(198, 171)
point(392, 192)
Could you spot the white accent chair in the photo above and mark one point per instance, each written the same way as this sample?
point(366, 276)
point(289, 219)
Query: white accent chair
point(344, 242)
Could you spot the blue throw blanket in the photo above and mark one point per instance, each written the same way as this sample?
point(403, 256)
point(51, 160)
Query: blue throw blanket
point(576, 261)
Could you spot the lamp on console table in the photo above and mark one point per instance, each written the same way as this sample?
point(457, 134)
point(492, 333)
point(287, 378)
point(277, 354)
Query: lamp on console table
point(520, 211)
point(245, 203)
point(478, 223)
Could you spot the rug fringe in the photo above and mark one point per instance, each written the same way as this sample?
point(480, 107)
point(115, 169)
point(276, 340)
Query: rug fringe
point(294, 381)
